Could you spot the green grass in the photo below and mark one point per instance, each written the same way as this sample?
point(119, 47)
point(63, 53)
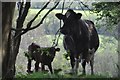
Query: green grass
point(48, 75)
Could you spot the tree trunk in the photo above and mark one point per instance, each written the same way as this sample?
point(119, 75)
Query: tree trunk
point(119, 49)
point(11, 42)
point(8, 69)
point(0, 40)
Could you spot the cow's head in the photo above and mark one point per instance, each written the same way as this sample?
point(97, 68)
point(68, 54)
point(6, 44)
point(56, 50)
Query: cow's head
point(70, 20)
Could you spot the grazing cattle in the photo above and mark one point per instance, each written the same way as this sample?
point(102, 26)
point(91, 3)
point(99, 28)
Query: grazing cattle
point(41, 55)
point(80, 39)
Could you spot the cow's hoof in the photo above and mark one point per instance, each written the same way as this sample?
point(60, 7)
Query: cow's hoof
point(29, 71)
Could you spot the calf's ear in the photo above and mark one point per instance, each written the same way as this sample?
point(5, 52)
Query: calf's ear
point(60, 16)
point(79, 15)
point(57, 49)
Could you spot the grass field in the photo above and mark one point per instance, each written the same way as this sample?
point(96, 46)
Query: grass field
point(48, 75)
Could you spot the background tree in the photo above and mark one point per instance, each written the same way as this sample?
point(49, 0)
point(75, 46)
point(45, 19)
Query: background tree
point(110, 12)
point(12, 36)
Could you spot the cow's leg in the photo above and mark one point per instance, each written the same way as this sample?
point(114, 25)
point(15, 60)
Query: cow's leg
point(72, 61)
point(83, 65)
point(91, 64)
point(36, 66)
point(50, 68)
point(29, 66)
point(76, 65)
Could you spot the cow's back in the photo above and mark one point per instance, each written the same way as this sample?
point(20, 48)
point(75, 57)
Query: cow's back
point(93, 35)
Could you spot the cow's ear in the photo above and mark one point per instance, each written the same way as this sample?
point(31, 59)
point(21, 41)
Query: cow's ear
point(79, 15)
point(60, 16)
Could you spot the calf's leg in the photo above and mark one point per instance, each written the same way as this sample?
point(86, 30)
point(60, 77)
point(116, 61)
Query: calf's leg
point(36, 66)
point(50, 68)
point(29, 66)
point(91, 64)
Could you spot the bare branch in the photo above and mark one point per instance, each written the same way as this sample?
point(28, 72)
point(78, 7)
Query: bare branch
point(30, 23)
point(63, 6)
point(55, 41)
point(21, 8)
point(85, 5)
point(17, 29)
point(44, 17)
point(83, 9)
point(69, 5)
point(27, 6)
point(28, 29)
point(21, 19)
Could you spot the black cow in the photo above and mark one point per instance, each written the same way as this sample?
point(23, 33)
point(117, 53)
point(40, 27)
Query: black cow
point(41, 55)
point(80, 39)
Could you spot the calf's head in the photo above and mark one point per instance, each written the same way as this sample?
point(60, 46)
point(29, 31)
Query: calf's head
point(33, 47)
point(70, 20)
point(53, 50)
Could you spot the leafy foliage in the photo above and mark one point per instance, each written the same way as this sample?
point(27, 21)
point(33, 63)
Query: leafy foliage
point(108, 10)
point(67, 55)
point(39, 51)
point(28, 55)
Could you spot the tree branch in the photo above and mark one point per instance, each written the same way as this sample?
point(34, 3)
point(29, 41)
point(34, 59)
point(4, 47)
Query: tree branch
point(85, 5)
point(44, 17)
point(69, 5)
point(17, 29)
point(27, 6)
point(21, 19)
point(28, 29)
point(30, 23)
point(21, 8)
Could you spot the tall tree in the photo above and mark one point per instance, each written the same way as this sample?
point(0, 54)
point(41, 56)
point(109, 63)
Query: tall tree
point(0, 39)
point(118, 49)
point(7, 15)
point(12, 36)
point(111, 12)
